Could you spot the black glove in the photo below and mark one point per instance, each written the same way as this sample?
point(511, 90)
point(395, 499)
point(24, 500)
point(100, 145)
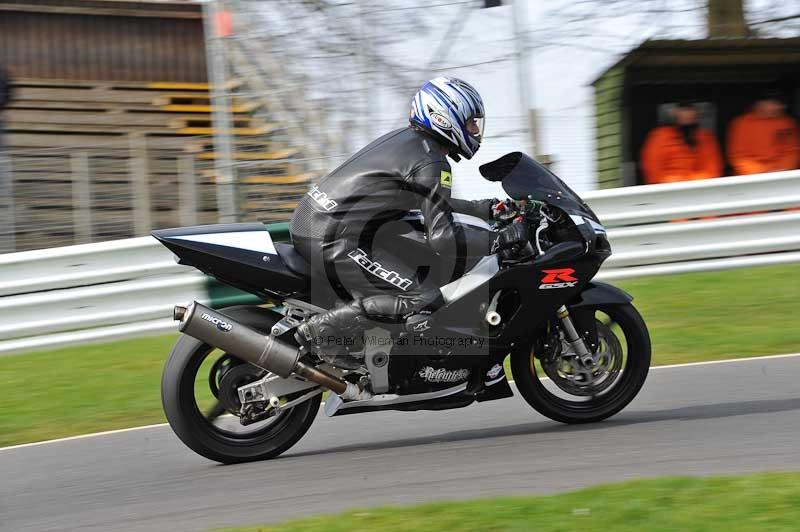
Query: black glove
point(486, 207)
point(512, 237)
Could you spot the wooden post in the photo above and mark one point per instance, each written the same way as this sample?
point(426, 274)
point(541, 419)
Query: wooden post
point(8, 219)
point(187, 190)
point(140, 184)
point(81, 197)
point(227, 194)
point(726, 19)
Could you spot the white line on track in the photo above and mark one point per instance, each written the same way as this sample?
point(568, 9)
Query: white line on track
point(159, 425)
point(725, 361)
point(82, 436)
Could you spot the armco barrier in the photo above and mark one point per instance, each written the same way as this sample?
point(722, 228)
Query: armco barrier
point(83, 265)
point(108, 290)
point(103, 291)
point(710, 197)
point(707, 239)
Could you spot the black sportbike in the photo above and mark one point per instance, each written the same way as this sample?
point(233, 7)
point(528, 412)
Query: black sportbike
point(238, 387)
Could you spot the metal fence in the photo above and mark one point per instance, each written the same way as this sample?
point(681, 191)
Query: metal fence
point(96, 192)
point(110, 190)
point(102, 291)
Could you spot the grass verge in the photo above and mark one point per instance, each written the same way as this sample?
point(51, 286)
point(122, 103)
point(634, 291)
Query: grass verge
point(81, 389)
point(691, 317)
point(710, 316)
point(743, 503)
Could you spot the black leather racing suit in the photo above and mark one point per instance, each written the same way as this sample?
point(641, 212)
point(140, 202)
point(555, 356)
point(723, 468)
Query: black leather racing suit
point(337, 224)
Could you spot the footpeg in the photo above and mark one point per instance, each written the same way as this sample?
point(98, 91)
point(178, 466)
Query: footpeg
point(332, 404)
point(353, 393)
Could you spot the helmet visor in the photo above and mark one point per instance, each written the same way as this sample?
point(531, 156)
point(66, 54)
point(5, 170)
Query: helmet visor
point(475, 127)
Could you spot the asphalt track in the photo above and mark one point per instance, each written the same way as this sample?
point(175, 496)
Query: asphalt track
point(700, 420)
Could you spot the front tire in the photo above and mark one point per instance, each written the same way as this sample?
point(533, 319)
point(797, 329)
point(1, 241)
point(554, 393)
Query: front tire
point(198, 432)
point(559, 406)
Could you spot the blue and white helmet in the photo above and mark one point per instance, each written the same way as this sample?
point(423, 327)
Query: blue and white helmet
point(451, 110)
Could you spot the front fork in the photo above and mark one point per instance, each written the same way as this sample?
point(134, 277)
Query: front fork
point(573, 338)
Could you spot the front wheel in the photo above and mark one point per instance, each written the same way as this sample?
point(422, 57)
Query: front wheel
point(550, 383)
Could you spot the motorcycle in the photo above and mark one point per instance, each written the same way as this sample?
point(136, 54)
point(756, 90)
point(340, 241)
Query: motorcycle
point(238, 387)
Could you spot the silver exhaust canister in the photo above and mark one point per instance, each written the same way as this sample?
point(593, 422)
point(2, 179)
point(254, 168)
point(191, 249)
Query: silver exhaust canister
point(264, 351)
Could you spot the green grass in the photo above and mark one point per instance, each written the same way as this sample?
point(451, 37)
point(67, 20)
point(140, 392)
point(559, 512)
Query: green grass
point(711, 316)
point(81, 389)
point(743, 503)
point(102, 387)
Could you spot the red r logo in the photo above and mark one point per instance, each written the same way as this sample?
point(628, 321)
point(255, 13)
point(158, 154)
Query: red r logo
point(556, 276)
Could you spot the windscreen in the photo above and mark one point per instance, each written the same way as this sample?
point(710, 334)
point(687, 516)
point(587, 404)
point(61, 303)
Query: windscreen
point(524, 178)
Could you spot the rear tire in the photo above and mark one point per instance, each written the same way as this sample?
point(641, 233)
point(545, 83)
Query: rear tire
point(195, 430)
point(605, 404)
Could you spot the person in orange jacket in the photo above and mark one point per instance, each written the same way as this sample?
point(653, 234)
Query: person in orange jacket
point(765, 139)
point(681, 151)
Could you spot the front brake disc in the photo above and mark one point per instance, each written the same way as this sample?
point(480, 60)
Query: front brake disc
point(568, 373)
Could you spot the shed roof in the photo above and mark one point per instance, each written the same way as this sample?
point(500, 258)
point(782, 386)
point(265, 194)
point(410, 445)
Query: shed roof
point(709, 52)
point(128, 8)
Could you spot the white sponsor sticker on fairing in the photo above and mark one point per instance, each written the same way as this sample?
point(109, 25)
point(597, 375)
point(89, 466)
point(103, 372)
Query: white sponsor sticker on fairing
point(321, 198)
point(494, 371)
point(430, 374)
point(374, 267)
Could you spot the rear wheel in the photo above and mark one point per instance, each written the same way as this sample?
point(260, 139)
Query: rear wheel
point(198, 392)
point(558, 387)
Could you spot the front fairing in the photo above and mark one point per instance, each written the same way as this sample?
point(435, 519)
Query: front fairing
point(525, 179)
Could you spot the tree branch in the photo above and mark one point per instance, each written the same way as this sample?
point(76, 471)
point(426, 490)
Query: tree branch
point(777, 19)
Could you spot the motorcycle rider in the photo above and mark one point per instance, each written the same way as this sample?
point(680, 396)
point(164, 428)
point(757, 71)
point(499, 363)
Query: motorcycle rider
point(337, 225)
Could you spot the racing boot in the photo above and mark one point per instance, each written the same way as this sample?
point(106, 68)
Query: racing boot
point(352, 317)
point(413, 312)
point(327, 333)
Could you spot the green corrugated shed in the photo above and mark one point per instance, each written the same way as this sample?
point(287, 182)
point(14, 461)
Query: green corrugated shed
point(608, 127)
point(728, 73)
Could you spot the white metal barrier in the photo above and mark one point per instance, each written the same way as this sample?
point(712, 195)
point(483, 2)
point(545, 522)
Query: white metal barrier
point(647, 237)
point(84, 265)
point(704, 239)
point(710, 197)
point(103, 304)
point(103, 291)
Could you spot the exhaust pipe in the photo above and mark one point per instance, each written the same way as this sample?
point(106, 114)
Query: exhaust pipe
point(266, 352)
